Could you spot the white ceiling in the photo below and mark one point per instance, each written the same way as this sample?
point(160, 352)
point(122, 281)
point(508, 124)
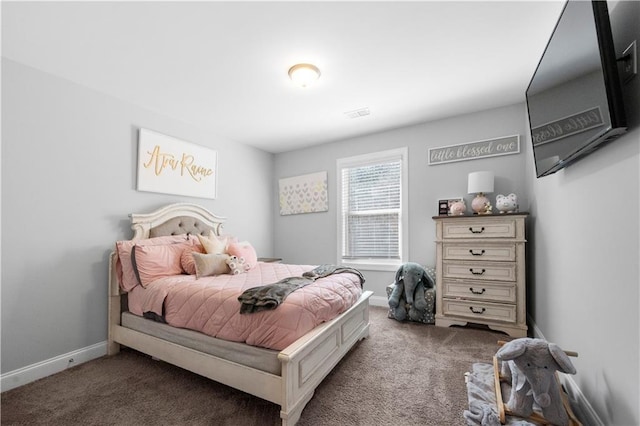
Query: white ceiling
point(222, 66)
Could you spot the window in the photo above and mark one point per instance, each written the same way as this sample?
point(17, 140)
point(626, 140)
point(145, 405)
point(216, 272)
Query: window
point(372, 209)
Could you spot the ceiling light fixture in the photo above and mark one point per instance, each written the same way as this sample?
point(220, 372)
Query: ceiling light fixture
point(304, 74)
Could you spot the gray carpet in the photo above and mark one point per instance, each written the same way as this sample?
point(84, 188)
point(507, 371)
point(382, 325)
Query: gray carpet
point(403, 374)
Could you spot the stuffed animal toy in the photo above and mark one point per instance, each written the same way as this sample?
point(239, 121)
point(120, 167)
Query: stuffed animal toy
point(531, 365)
point(408, 291)
point(237, 265)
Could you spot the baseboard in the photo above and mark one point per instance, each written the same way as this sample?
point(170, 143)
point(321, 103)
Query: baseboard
point(33, 372)
point(579, 403)
point(378, 301)
point(534, 328)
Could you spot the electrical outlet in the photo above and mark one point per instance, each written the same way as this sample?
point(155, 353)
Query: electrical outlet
point(629, 62)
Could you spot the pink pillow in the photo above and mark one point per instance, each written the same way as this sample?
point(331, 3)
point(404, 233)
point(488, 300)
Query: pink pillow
point(153, 262)
point(245, 250)
point(230, 239)
point(187, 261)
point(124, 267)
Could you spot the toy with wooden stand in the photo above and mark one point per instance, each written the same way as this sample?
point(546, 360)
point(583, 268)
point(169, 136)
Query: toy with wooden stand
point(533, 377)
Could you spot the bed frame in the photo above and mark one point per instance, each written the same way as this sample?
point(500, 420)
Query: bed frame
point(304, 363)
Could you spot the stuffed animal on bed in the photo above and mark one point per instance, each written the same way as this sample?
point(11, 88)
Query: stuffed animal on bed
point(238, 265)
point(409, 291)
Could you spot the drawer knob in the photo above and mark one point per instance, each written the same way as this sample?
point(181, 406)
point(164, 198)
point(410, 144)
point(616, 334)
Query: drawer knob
point(476, 292)
point(473, 231)
point(476, 253)
point(477, 273)
point(481, 311)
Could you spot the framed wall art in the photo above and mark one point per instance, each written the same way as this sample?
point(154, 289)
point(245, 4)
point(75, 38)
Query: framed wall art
point(473, 150)
point(173, 166)
point(303, 194)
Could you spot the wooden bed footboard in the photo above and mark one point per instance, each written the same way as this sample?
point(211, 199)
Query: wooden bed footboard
point(305, 363)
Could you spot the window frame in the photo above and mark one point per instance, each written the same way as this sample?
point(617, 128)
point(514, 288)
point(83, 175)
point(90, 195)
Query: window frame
point(403, 233)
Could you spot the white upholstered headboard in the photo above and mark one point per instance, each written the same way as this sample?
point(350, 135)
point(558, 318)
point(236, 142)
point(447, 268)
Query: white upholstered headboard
point(174, 219)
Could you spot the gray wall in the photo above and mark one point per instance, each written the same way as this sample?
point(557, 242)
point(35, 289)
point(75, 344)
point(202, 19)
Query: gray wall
point(312, 237)
point(68, 184)
point(585, 251)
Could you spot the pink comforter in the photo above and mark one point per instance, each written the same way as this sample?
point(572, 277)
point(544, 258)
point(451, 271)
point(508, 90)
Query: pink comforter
point(210, 304)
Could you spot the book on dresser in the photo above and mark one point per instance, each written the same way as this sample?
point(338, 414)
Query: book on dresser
point(481, 271)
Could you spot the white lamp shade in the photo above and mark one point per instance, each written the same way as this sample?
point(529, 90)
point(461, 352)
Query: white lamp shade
point(480, 182)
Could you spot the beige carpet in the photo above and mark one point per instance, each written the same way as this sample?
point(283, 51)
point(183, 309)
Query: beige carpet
point(403, 374)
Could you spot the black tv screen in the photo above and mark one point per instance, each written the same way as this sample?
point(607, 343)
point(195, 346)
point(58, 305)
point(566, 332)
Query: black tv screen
point(574, 99)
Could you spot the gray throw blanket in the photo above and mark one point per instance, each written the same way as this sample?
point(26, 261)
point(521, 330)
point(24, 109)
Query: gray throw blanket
point(270, 296)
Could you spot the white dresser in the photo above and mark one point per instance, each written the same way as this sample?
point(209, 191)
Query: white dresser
point(480, 271)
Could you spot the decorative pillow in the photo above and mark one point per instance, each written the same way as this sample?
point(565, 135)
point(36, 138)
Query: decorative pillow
point(124, 266)
point(237, 265)
point(210, 264)
point(187, 261)
point(244, 250)
point(153, 262)
point(213, 244)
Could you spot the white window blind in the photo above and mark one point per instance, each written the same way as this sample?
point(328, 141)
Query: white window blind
point(371, 210)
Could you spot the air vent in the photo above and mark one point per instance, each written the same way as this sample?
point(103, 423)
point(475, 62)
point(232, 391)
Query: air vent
point(357, 113)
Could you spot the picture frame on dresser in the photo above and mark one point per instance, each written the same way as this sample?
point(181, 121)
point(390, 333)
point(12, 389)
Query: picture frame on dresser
point(443, 207)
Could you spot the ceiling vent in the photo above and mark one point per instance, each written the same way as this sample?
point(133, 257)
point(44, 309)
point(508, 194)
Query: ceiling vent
point(357, 113)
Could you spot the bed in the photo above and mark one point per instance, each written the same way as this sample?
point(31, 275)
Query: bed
point(287, 377)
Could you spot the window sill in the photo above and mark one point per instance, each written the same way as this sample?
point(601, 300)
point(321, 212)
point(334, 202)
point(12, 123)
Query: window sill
point(369, 266)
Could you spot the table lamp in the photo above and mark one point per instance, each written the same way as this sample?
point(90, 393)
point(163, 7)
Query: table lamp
point(479, 184)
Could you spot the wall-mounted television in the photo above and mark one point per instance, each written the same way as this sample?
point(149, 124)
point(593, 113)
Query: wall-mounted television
point(574, 99)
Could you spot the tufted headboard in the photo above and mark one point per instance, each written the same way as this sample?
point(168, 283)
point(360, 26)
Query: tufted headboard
point(175, 219)
point(180, 225)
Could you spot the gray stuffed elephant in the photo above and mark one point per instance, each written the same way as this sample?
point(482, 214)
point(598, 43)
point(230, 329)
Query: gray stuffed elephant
point(531, 365)
point(408, 290)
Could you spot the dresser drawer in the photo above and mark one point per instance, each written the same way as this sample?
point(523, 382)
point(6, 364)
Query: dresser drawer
point(479, 251)
point(479, 228)
point(484, 271)
point(496, 292)
point(479, 311)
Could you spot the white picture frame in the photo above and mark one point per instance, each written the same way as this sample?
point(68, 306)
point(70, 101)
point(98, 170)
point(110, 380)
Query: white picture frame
point(495, 147)
point(172, 166)
point(303, 194)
